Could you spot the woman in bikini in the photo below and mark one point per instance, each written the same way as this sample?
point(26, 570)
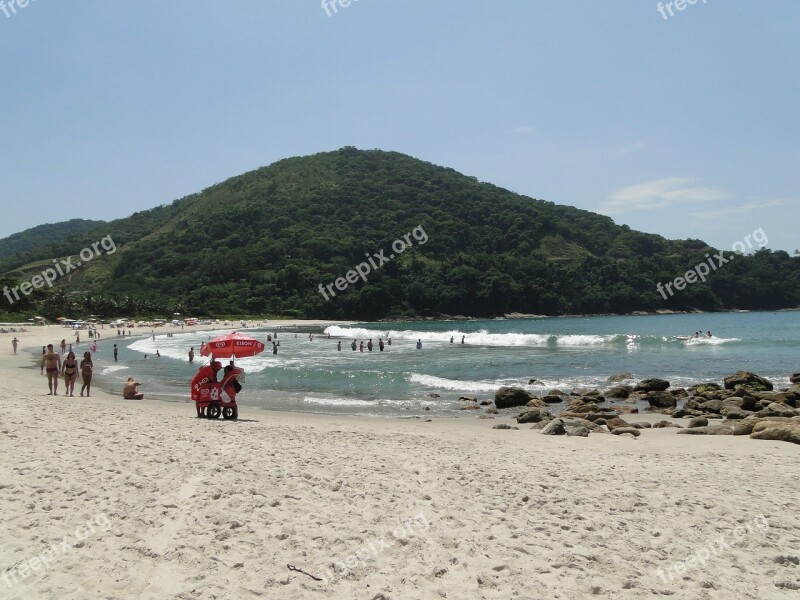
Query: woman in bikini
point(86, 373)
point(70, 372)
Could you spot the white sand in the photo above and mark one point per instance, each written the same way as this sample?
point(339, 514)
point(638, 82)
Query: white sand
point(171, 506)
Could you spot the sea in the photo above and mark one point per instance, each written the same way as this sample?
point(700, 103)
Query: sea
point(309, 374)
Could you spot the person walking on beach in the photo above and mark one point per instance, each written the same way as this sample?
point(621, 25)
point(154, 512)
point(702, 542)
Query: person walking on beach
point(86, 373)
point(77, 337)
point(52, 362)
point(115, 353)
point(14, 343)
point(69, 369)
point(191, 355)
point(63, 346)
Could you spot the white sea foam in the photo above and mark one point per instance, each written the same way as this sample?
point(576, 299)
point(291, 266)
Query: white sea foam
point(477, 338)
point(459, 385)
point(112, 369)
point(712, 341)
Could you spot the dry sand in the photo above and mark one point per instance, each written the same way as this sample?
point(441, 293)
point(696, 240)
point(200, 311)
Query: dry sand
point(107, 498)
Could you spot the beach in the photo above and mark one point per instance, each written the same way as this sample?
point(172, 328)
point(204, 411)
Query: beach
point(108, 498)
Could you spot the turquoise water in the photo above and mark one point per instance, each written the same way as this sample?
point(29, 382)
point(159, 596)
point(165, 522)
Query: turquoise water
point(561, 352)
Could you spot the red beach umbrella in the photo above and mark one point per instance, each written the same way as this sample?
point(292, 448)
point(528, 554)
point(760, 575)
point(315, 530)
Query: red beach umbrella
point(232, 345)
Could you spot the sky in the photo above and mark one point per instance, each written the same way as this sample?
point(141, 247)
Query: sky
point(684, 123)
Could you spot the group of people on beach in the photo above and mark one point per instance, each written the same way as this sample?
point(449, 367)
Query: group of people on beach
point(68, 369)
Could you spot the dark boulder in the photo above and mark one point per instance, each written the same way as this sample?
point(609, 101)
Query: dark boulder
point(509, 397)
point(661, 400)
point(652, 385)
point(534, 416)
point(749, 380)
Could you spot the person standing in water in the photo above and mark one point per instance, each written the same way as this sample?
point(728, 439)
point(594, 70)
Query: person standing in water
point(339, 346)
point(369, 345)
point(462, 339)
point(419, 344)
point(451, 339)
point(361, 346)
point(274, 347)
point(380, 345)
point(191, 355)
point(353, 346)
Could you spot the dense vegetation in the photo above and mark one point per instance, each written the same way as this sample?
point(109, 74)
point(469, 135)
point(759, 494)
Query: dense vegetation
point(41, 235)
point(262, 242)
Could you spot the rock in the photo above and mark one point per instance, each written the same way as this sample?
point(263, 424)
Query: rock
point(748, 380)
point(786, 398)
point(665, 425)
point(556, 393)
point(619, 377)
point(627, 435)
point(711, 406)
point(661, 399)
point(616, 422)
point(471, 407)
point(710, 430)
point(535, 382)
point(706, 387)
point(585, 392)
point(578, 432)
point(575, 422)
point(552, 399)
point(746, 426)
point(492, 411)
point(624, 410)
point(795, 378)
point(776, 409)
point(534, 416)
point(652, 385)
point(679, 393)
point(580, 405)
point(504, 426)
point(509, 397)
point(641, 425)
point(536, 403)
point(485, 403)
point(619, 391)
point(434, 396)
point(621, 430)
point(554, 427)
point(468, 399)
point(698, 422)
point(732, 412)
point(770, 430)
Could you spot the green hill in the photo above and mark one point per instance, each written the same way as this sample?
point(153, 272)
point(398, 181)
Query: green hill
point(42, 235)
point(263, 242)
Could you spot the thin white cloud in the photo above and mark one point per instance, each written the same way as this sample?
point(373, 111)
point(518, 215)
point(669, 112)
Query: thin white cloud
point(525, 129)
point(633, 148)
point(660, 193)
point(737, 210)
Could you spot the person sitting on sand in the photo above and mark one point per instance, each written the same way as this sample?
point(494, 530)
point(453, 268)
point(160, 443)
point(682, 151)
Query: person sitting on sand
point(86, 373)
point(70, 372)
point(131, 391)
point(52, 362)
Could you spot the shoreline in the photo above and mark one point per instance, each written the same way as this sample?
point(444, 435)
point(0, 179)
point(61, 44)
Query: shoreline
point(140, 499)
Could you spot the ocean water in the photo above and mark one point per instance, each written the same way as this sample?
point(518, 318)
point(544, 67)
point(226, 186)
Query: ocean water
point(562, 353)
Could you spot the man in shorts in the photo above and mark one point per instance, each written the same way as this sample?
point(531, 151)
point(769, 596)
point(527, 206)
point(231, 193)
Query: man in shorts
point(52, 362)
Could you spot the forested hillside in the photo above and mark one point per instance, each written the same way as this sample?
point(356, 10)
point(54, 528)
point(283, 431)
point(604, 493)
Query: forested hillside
point(262, 242)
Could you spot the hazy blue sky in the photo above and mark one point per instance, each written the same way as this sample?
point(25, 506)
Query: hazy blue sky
point(687, 126)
